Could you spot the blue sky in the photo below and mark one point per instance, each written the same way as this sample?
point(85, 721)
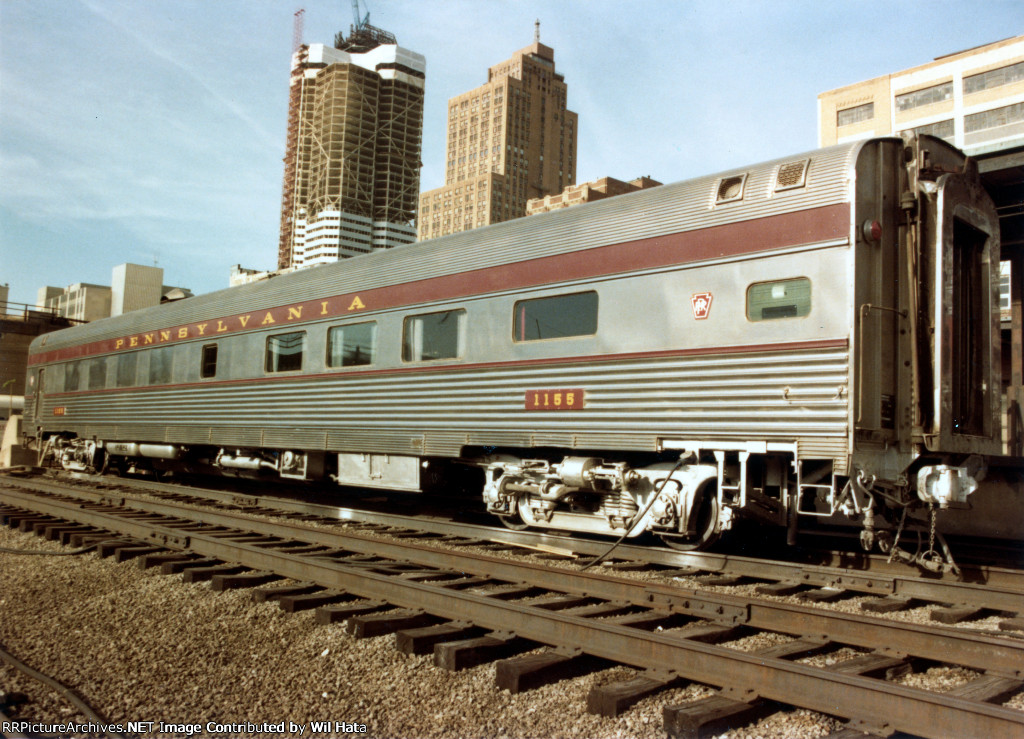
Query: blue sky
point(152, 131)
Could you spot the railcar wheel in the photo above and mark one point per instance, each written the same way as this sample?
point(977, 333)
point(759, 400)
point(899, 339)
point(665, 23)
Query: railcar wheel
point(707, 518)
point(95, 464)
point(514, 522)
point(113, 465)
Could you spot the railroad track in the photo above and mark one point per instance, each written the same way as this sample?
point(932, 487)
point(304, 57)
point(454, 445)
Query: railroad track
point(469, 607)
point(977, 590)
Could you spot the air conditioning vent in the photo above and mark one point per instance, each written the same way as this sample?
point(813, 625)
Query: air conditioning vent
point(791, 175)
point(730, 188)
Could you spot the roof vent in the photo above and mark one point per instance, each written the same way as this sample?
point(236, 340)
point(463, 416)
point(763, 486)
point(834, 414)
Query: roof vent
point(730, 189)
point(791, 175)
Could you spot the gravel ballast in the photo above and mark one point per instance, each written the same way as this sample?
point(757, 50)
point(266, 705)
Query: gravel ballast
point(140, 646)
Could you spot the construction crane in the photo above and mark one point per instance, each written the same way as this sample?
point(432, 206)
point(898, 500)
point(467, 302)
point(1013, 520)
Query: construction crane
point(361, 21)
point(362, 36)
point(297, 26)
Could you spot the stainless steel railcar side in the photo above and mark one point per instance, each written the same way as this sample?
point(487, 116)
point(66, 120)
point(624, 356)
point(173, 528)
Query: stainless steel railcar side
point(814, 337)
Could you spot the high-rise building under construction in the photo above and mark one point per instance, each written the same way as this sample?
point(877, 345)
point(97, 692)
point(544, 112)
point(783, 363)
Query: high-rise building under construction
point(352, 157)
point(509, 140)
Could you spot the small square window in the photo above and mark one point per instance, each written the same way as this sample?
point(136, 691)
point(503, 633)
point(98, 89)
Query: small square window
point(767, 301)
point(208, 365)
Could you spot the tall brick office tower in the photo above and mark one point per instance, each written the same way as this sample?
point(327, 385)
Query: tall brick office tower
point(509, 140)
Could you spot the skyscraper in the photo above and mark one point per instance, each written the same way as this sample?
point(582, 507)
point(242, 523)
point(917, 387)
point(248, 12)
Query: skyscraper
point(352, 157)
point(509, 140)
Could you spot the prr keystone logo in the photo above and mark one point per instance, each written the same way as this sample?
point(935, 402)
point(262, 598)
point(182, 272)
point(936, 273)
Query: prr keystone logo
point(701, 305)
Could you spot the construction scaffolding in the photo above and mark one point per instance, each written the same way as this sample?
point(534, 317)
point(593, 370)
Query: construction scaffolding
point(353, 148)
point(291, 156)
point(363, 38)
point(299, 54)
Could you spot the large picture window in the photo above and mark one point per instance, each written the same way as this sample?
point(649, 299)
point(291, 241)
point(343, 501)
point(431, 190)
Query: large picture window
point(768, 301)
point(557, 317)
point(433, 336)
point(160, 363)
point(126, 364)
point(72, 376)
point(98, 373)
point(284, 352)
point(352, 346)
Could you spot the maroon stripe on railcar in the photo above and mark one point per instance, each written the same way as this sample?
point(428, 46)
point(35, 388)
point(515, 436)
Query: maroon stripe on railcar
point(734, 239)
point(589, 360)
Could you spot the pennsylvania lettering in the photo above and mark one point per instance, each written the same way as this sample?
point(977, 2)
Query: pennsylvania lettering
point(285, 314)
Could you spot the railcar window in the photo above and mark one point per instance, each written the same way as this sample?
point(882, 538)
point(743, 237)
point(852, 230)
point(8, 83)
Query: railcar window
point(208, 363)
point(768, 301)
point(354, 345)
point(557, 317)
point(160, 363)
point(126, 364)
point(55, 377)
point(98, 373)
point(284, 352)
point(433, 336)
point(73, 377)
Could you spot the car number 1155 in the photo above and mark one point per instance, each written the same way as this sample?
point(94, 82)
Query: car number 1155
point(561, 399)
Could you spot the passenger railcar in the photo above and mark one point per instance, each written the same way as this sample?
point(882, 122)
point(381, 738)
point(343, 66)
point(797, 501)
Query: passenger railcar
point(813, 339)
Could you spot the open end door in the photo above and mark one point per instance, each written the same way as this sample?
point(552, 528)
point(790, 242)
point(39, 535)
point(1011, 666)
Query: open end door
point(966, 388)
point(37, 405)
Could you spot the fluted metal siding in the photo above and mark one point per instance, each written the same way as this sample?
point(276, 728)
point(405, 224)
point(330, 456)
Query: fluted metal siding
point(658, 211)
point(630, 403)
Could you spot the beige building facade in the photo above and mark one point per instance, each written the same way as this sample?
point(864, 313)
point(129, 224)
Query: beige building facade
point(79, 302)
point(509, 140)
point(974, 99)
point(133, 286)
point(606, 187)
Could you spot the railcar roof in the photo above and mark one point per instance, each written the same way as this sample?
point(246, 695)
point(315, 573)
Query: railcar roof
point(682, 206)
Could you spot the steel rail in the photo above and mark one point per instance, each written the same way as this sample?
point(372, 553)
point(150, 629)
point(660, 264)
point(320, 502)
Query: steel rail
point(910, 709)
point(1002, 589)
point(913, 710)
point(998, 654)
